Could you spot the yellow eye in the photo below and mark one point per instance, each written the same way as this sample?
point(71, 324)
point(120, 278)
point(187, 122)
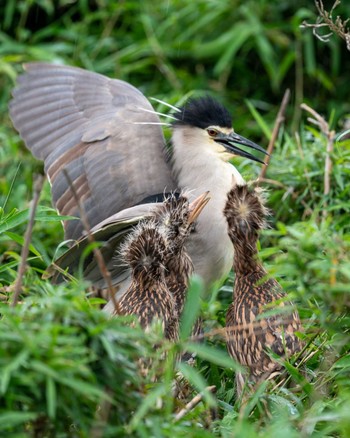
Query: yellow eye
point(212, 132)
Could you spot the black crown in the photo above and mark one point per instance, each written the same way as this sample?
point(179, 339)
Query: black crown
point(202, 113)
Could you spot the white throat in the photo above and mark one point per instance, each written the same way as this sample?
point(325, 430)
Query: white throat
point(200, 164)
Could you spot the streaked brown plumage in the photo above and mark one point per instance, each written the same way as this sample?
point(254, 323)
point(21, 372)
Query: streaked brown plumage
point(250, 335)
point(160, 264)
point(177, 217)
point(148, 296)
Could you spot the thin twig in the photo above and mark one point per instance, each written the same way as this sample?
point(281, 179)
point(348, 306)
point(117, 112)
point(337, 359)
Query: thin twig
point(255, 325)
point(278, 122)
point(328, 163)
point(97, 252)
point(325, 19)
point(306, 170)
point(319, 121)
point(37, 187)
point(193, 403)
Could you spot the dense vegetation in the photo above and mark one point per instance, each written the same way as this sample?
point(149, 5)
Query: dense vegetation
point(68, 370)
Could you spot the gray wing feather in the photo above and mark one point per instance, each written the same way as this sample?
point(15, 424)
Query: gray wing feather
point(110, 233)
point(86, 123)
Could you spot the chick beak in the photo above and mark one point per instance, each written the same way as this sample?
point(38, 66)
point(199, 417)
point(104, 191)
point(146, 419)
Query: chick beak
point(197, 206)
point(229, 140)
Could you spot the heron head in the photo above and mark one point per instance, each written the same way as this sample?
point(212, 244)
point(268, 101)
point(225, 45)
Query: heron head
point(245, 213)
point(211, 123)
point(177, 215)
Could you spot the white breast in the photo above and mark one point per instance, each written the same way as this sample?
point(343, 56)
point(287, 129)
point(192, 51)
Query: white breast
point(198, 167)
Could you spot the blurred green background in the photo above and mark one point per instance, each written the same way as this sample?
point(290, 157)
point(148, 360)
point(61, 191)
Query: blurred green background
point(236, 49)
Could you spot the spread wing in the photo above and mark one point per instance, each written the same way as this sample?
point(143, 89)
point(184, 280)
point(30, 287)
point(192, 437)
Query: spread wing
point(110, 234)
point(95, 128)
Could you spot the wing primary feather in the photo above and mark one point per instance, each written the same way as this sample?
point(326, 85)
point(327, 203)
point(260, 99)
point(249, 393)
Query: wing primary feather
point(88, 123)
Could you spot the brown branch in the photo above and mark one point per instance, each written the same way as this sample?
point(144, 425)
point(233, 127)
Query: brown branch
point(319, 121)
point(193, 403)
point(37, 187)
point(278, 122)
point(97, 252)
point(325, 19)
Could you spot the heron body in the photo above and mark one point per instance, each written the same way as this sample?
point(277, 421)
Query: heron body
point(105, 134)
point(250, 334)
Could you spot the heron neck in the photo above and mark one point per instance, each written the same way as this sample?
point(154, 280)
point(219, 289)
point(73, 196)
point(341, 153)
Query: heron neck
point(245, 259)
point(198, 168)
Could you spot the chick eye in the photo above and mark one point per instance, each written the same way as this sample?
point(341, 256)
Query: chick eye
point(212, 132)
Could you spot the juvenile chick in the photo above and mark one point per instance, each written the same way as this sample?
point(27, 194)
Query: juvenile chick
point(160, 265)
point(177, 216)
point(148, 296)
point(250, 335)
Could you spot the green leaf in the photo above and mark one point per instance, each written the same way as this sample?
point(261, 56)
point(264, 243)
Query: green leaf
point(10, 368)
point(237, 37)
point(197, 380)
point(49, 214)
point(14, 418)
point(20, 240)
point(13, 220)
point(45, 370)
point(51, 397)
point(260, 121)
point(89, 390)
point(192, 306)
point(147, 404)
point(214, 355)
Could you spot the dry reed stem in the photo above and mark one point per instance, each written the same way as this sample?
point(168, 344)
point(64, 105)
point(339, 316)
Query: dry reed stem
point(277, 126)
point(256, 325)
point(37, 187)
point(319, 121)
point(97, 252)
point(193, 403)
point(306, 170)
point(325, 19)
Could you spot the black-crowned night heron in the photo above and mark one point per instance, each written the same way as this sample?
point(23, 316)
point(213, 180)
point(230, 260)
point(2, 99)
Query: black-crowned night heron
point(250, 334)
point(154, 250)
point(108, 138)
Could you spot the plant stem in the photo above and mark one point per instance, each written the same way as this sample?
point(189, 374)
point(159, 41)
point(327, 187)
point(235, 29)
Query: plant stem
point(37, 187)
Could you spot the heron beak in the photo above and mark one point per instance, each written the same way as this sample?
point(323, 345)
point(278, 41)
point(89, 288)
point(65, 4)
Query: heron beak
point(197, 206)
point(229, 140)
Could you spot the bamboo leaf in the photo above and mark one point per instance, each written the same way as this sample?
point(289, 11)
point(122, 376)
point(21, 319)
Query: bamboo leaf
point(51, 397)
point(197, 380)
point(14, 418)
point(192, 307)
point(260, 121)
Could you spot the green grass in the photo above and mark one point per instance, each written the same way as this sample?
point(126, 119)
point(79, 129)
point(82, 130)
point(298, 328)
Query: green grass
point(62, 361)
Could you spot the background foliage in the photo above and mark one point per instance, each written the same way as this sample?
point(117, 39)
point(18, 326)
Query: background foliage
point(61, 358)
